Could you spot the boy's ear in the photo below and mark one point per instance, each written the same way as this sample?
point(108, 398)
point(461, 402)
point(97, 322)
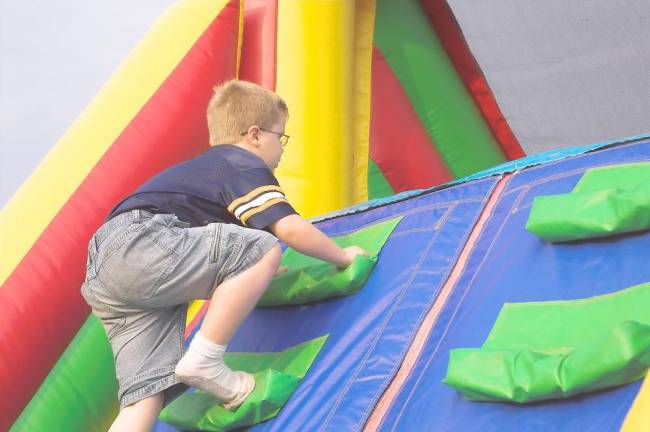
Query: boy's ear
point(253, 135)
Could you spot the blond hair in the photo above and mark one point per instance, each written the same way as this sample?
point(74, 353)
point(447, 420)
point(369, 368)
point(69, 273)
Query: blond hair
point(238, 105)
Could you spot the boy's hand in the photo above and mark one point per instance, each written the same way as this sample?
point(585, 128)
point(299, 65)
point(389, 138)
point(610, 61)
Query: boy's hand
point(302, 236)
point(350, 253)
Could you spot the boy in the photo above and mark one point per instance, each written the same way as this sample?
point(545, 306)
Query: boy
point(198, 230)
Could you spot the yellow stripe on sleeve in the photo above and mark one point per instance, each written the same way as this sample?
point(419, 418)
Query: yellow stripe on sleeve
point(252, 194)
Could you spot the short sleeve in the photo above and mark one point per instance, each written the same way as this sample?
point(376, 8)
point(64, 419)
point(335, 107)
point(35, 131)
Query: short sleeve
point(255, 198)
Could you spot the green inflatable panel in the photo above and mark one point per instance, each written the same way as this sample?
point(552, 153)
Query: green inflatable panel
point(550, 350)
point(277, 376)
point(80, 392)
point(606, 201)
point(378, 186)
point(404, 36)
point(309, 280)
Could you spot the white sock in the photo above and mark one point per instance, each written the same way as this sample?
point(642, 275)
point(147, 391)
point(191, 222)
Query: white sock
point(207, 348)
point(203, 367)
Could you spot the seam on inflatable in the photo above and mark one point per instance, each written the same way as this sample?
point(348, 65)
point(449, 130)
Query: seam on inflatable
point(419, 342)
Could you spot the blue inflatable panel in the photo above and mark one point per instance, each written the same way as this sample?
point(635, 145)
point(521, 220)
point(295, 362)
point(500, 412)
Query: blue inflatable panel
point(369, 331)
point(509, 264)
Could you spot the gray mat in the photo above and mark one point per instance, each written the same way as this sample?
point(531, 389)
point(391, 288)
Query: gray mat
point(564, 73)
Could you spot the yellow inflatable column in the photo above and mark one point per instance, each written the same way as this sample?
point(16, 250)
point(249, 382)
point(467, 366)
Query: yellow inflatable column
point(315, 68)
point(364, 27)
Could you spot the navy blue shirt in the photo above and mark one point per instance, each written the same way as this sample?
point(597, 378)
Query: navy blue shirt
point(226, 184)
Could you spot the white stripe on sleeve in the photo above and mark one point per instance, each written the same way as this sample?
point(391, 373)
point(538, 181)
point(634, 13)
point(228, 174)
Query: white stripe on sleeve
point(260, 200)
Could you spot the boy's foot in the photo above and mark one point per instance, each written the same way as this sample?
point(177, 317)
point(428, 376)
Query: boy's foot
point(228, 386)
point(248, 382)
point(202, 367)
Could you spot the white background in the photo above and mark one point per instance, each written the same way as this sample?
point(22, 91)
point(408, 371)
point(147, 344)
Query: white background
point(54, 58)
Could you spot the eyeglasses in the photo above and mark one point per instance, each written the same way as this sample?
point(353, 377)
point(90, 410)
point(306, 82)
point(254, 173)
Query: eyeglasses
point(284, 138)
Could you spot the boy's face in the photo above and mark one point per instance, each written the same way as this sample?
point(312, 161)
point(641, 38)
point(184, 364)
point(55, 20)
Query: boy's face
point(269, 146)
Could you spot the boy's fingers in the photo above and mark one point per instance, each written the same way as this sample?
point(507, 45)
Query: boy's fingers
point(360, 251)
point(282, 269)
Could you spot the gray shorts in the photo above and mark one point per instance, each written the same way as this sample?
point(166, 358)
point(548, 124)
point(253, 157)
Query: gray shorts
point(142, 271)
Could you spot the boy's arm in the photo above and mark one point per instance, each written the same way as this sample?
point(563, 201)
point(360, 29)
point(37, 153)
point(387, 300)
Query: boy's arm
point(302, 236)
point(254, 197)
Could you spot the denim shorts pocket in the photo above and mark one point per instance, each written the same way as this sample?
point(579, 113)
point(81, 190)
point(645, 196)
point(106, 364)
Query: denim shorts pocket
point(214, 231)
point(234, 244)
point(136, 269)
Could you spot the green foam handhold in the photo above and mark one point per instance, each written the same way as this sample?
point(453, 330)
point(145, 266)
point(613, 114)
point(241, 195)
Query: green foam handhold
point(309, 279)
point(621, 176)
point(199, 410)
point(549, 350)
point(277, 375)
point(606, 201)
point(620, 356)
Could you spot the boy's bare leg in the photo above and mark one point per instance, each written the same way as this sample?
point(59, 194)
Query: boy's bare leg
point(202, 365)
point(234, 299)
point(139, 416)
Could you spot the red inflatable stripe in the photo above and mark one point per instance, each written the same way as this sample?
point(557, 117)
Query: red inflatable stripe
point(444, 24)
point(399, 144)
point(41, 297)
point(258, 59)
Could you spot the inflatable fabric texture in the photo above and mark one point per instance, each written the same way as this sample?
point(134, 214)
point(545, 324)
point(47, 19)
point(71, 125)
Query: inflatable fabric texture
point(85, 388)
point(605, 201)
point(277, 375)
point(550, 350)
point(148, 116)
point(405, 38)
point(310, 280)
